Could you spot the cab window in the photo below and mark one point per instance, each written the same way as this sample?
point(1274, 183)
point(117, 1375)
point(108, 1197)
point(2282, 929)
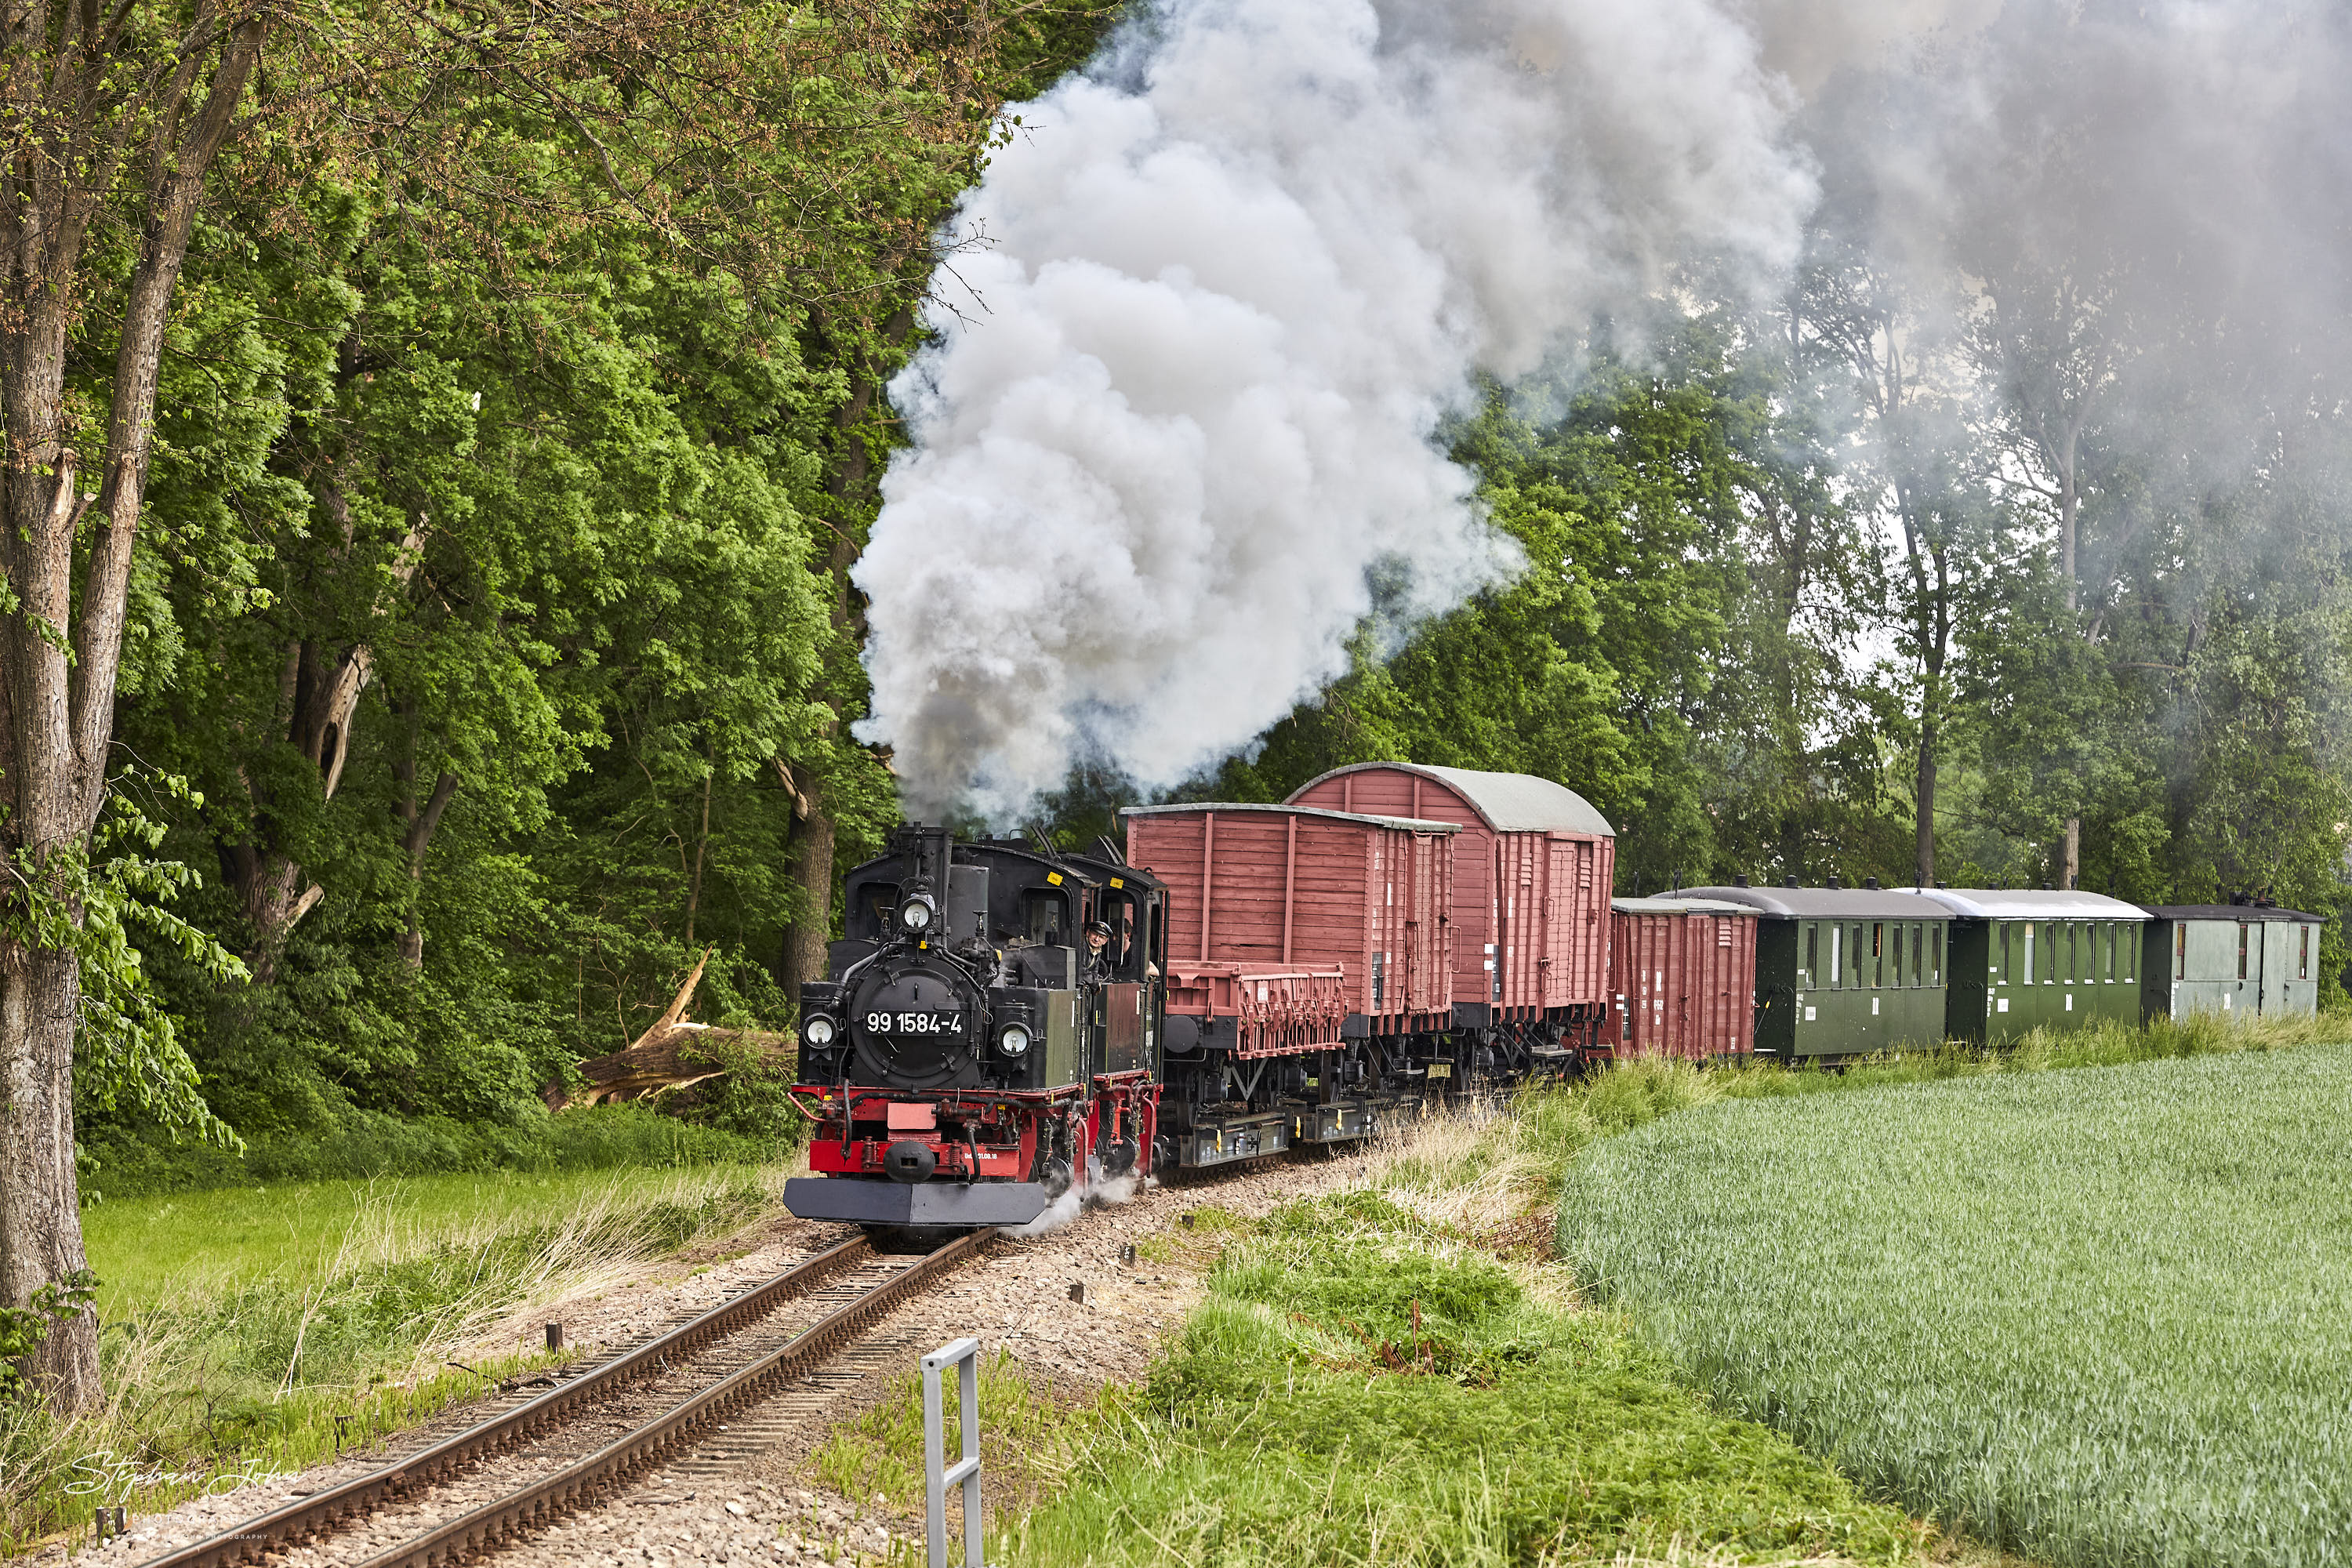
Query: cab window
point(1046, 917)
point(876, 903)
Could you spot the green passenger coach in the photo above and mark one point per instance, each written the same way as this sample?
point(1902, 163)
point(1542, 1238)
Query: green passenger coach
point(2241, 961)
point(1844, 972)
point(2025, 958)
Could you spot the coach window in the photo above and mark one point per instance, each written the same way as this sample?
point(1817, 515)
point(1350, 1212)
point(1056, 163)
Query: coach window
point(2073, 950)
point(1936, 959)
point(1813, 952)
point(2302, 960)
point(2241, 949)
point(2131, 939)
point(1837, 972)
point(2180, 951)
point(2026, 964)
point(1894, 969)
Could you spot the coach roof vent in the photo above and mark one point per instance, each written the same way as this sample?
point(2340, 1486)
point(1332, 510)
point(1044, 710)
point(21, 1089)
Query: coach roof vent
point(1507, 803)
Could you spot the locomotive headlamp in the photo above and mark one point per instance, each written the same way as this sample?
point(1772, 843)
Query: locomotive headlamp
point(817, 1030)
point(1013, 1039)
point(916, 913)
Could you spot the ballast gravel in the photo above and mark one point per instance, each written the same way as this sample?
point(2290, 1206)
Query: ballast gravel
point(764, 1506)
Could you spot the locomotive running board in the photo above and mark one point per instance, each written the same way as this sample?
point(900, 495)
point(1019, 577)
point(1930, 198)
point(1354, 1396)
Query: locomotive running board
point(863, 1202)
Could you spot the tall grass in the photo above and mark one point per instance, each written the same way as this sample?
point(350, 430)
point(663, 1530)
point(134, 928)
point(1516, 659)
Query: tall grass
point(229, 1354)
point(1362, 1386)
point(2098, 1317)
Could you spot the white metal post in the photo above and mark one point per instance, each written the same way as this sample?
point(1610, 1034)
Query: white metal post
point(938, 1474)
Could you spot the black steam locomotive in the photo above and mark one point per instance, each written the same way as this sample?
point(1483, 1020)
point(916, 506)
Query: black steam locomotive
point(988, 1041)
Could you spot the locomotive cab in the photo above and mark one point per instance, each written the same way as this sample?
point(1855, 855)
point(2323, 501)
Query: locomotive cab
point(964, 1061)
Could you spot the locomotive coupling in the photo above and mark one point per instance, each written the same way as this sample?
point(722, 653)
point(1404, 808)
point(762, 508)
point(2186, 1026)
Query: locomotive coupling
point(909, 1160)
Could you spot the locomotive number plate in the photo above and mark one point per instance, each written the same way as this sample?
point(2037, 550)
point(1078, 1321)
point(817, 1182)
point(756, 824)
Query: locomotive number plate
point(1440, 1069)
point(914, 1023)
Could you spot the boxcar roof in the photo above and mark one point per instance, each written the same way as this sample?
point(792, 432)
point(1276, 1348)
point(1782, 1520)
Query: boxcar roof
point(1830, 903)
point(1507, 803)
point(2225, 912)
point(1680, 906)
point(2031, 904)
point(1412, 823)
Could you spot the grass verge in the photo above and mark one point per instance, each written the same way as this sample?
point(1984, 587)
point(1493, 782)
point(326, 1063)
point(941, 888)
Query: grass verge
point(240, 1326)
point(2095, 1317)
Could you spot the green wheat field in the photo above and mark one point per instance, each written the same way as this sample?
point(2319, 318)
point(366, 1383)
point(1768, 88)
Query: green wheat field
point(2101, 1316)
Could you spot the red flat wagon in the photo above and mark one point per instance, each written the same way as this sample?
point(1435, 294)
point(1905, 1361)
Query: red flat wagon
point(1682, 978)
point(1531, 882)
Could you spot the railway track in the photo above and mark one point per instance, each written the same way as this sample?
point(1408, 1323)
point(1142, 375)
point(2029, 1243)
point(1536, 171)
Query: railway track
point(847, 1288)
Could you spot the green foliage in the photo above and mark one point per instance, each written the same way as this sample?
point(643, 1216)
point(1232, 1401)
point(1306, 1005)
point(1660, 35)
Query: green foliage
point(1360, 1387)
point(2092, 1316)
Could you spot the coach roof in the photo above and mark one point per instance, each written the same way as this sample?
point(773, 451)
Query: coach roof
point(1827, 903)
point(2225, 912)
point(2031, 904)
point(1507, 803)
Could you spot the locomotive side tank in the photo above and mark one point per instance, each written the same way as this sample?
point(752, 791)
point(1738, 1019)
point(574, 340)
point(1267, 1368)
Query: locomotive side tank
point(1529, 907)
point(972, 1055)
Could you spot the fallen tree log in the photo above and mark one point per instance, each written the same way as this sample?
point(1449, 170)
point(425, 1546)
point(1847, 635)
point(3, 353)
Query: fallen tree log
point(672, 1054)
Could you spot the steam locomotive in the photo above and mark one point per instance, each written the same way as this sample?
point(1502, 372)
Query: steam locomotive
point(973, 1056)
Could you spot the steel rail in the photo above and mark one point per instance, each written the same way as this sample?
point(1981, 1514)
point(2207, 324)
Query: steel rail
point(308, 1517)
point(586, 1480)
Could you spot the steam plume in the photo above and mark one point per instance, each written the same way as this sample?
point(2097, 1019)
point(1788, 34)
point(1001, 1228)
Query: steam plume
point(1240, 270)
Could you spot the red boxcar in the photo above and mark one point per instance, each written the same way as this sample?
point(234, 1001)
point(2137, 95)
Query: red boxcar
point(1683, 977)
point(1269, 900)
point(1531, 881)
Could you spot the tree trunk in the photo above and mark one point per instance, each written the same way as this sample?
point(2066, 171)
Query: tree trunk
point(419, 825)
point(40, 1218)
point(1926, 822)
point(804, 943)
point(2074, 852)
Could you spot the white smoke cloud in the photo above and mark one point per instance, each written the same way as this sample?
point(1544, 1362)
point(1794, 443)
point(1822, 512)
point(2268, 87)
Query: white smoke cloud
point(1239, 271)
